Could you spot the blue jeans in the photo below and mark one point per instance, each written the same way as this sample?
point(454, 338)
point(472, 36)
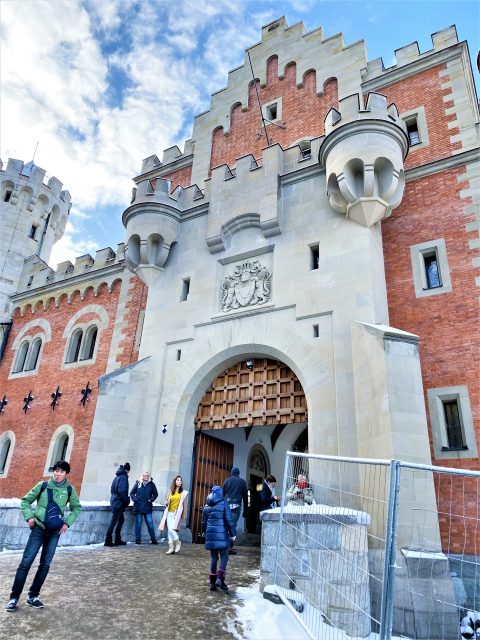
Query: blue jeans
point(214, 553)
point(235, 515)
point(138, 525)
point(38, 538)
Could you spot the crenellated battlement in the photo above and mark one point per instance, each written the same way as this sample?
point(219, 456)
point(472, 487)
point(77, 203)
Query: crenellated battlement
point(29, 174)
point(172, 159)
point(37, 274)
point(411, 53)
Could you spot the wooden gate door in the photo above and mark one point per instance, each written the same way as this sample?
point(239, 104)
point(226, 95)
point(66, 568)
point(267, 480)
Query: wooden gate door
point(213, 464)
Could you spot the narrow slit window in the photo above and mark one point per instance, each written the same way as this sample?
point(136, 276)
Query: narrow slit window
point(185, 289)
point(8, 195)
point(315, 331)
point(179, 354)
point(32, 232)
point(314, 257)
point(453, 424)
point(413, 133)
point(432, 270)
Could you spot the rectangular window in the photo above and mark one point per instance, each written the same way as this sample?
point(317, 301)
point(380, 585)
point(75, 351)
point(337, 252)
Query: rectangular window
point(412, 131)
point(315, 330)
point(451, 419)
point(453, 425)
point(179, 354)
point(432, 270)
point(272, 112)
point(8, 195)
point(32, 232)
point(185, 289)
point(314, 256)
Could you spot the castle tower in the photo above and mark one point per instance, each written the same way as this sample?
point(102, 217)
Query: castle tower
point(33, 214)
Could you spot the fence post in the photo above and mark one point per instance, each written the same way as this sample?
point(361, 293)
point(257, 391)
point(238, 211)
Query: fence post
point(386, 615)
point(284, 490)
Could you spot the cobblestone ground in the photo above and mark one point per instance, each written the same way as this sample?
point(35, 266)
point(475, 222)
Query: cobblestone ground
point(127, 592)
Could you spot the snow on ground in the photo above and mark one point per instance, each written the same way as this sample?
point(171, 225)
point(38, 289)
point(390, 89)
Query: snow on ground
point(261, 619)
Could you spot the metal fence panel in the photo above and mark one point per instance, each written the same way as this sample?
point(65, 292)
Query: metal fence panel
point(362, 547)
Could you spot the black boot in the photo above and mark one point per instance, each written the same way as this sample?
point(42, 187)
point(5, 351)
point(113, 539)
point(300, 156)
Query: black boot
point(108, 543)
point(220, 582)
point(213, 578)
point(119, 543)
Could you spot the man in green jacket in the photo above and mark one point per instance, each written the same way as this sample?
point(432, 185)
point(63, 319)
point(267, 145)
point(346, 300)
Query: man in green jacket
point(40, 536)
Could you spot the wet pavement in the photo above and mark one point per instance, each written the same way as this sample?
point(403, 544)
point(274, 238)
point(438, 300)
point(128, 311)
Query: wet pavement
point(134, 592)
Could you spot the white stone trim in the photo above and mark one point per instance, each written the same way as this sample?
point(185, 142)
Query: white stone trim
point(417, 251)
point(439, 429)
point(40, 322)
point(3, 437)
point(120, 322)
point(419, 115)
point(91, 308)
point(63, 429)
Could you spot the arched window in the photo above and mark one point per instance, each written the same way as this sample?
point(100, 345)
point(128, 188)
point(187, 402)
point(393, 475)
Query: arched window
point(74, 347)
point(59, 450)
point(21, 357)
point(28, 346)
point(88, 347)
point(7, 442)
point(33, 353)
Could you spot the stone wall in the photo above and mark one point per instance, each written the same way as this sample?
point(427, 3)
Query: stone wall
point(90, 528)
point(324, 561)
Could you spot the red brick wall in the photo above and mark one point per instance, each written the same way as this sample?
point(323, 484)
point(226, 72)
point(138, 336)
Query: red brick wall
point(33, 431)
point(136, 303)
point(180, 177)
point(448, 324)
point(303, 112)
point(424, 90)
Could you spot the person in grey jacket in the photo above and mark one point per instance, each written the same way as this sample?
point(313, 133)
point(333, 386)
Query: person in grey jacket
point(119, 501)
point(300, 493)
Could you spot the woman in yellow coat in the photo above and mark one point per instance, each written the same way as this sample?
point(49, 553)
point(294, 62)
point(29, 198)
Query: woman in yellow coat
point(175, 511)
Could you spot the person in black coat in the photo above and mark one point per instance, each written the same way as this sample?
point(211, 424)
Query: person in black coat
point(235, 492)
point(266, 497)
point(143, 495)
point(119, 501)
point(219, 527)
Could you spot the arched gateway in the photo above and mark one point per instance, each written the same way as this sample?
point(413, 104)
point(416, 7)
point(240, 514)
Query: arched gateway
point(248, 417)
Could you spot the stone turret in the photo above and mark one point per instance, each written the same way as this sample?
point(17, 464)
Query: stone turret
point(363, 154)
point(33, 214)
point(152, 225)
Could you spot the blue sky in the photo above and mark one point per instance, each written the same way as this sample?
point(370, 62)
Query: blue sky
point(102, 84)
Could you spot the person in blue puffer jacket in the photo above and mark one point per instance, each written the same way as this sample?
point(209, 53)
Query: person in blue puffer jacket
point(219, 527)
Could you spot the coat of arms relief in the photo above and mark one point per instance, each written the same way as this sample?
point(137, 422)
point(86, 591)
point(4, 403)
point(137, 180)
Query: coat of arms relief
point(249, 285)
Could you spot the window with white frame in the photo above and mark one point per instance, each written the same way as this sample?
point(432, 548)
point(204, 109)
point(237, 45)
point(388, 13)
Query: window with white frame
point(431, 275)
point(7, 443)
point(417, 131)
point(272, 111)
point(82, 338)
point(60, 447)
point(452, 424)
point(28, 355)
point(28, 348)
point(81, 346)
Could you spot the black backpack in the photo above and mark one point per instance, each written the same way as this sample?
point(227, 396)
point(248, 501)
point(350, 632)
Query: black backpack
point(53, 515)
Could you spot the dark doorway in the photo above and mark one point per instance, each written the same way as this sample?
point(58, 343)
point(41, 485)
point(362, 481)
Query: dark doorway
point(253, 510)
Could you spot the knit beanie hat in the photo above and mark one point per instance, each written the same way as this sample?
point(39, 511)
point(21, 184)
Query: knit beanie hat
point(126, 466)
